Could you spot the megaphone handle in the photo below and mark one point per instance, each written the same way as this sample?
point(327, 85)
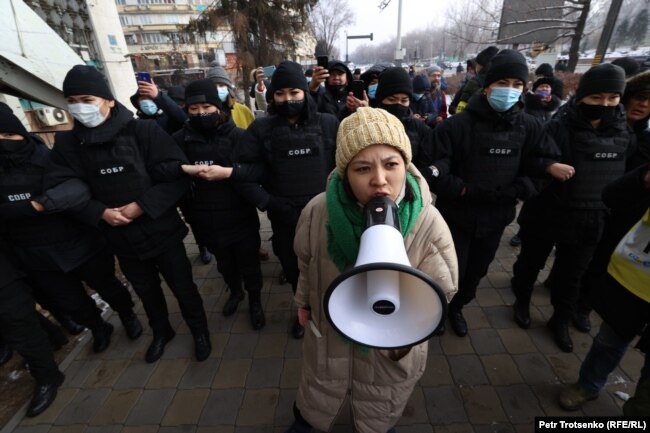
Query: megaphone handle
point(314, 329)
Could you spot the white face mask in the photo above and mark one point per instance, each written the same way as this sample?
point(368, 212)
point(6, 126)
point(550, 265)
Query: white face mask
point(223, 93)
point(88, 114)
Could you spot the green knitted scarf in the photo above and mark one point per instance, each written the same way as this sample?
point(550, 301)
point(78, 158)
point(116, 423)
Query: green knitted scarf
point(345, 222)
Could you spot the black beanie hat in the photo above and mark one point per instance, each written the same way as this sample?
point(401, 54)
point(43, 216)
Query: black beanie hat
point(394, 80)
point(544, 69)
point(288, 75)
point(640, 83)
point(544, 80)
point(629, 65)
point(421, 84)
point(176, 93)
point(202, 91)
point(484, 57)
point(86, 80)
point(9, 122)
point(601, 78)
point(506, 64)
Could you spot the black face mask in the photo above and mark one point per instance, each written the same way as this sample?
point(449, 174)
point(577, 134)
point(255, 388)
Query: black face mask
point(205, 122)
point(11, 146)
point(290, 108)
point(397, 110)
point(13, 152)
point(595, 112)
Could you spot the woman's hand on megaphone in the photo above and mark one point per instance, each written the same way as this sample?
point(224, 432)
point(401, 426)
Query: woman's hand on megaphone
point(304, 314)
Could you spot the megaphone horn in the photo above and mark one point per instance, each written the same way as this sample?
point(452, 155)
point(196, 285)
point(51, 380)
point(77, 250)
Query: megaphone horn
point(383, 302)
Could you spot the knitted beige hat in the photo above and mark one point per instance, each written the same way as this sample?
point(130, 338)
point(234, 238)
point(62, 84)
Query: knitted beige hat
point(368, 126)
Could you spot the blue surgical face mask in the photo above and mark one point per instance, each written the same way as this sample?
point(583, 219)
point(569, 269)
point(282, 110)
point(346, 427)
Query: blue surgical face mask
point(88, 114)
point(372, 90)
point(223, 93)
point(502, 99)
point(148, 107)
point(418, 96)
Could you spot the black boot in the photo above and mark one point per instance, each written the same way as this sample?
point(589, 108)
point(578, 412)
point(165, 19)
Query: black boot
point(157, 347)
point(297, 330)
point(206, 257)
point(102, 337)
point(257, 315)
point(581, 321)
point(44, 395)
point(202, 346)
point(522, 314)
point(131, 324)
point(560, 330)
point(230, 307)
point(68, 323)
point(5, 353)
point(457, 321)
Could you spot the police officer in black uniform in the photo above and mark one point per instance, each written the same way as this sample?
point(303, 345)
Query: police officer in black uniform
point(56, 251)
point(133, 170)
point(395, 95)
point(290, 153)
point(21, 330)
point(221, 218)
point(592, 133)
point(485, 157)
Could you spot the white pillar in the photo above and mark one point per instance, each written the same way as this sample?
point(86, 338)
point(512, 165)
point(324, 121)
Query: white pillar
point(112, 48)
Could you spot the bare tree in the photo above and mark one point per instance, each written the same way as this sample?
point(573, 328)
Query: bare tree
point(476, 21)
point(328, 18)
point(263, 31)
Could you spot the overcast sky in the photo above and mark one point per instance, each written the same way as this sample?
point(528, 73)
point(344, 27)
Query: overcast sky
point(416, 14)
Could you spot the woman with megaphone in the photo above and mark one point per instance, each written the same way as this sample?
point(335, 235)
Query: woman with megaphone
point(373, 164)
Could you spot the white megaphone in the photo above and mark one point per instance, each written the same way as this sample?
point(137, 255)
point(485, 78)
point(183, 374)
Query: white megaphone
point(383, 302)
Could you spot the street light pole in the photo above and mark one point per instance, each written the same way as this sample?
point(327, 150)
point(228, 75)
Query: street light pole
point(370, 36)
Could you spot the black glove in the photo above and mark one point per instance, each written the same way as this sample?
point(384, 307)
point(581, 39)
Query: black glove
point(522, 188)
point(281, 209)
point(479, 193)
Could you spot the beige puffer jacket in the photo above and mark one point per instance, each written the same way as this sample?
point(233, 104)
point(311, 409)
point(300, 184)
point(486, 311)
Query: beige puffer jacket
point(377, 383)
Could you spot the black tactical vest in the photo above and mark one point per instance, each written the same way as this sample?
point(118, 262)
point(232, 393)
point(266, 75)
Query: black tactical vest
point(299, 161)
point(598, 161)
point(22, 184)
point(495, 155)
point(116, 171)
point(211, 195)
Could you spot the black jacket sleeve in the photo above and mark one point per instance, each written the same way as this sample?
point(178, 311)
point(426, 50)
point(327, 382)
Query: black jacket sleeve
point(170, 108)
point(64, 165)
point(627, 190)
point(163, 158)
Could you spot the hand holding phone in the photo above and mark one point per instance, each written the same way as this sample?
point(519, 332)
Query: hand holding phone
point(357, 87)
point(144, 76)
point(322, 61)
point(268, 71)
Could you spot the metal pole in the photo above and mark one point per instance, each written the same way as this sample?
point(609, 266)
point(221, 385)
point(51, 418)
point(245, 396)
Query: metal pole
point(398, 50)
point(346, 48)
point(608, 29)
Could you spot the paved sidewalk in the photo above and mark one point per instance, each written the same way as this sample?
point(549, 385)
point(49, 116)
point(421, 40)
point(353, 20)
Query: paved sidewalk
point(495, 380)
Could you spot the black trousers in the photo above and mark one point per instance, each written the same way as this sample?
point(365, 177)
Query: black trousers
point(282, 243)
point(22, 330)
point(65, 291)
point(176, 269)
point(241, 261)
point(571, 261)
point(474, 257)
